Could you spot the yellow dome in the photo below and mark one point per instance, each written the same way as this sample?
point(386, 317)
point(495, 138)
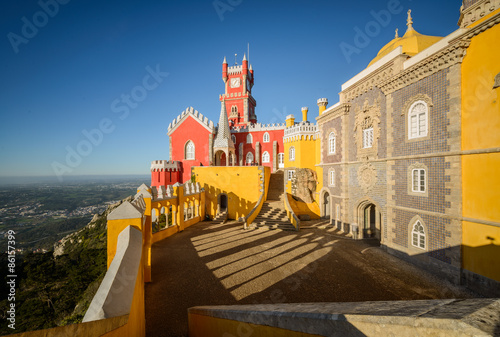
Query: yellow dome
point(412, 42)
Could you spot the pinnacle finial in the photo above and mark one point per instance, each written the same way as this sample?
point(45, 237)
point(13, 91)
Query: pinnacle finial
point(251, 67)
point(409, 22)
point(397, 36)
point(244, 57)
point(225, 62)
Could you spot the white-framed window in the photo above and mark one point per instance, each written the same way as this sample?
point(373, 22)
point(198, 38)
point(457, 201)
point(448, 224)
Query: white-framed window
point(190, 151)
point(249, 158)
point(265, 157)
point(234, 109)
point(331, 143)
point(266, 137)
point(418, 180)
point(418, 235)
point(418, 120)
point(331, 177)
point(281, 160)
point(249, 139)
point(368, 138)
point(291, 153)
point(290, 174)
point(233, 138)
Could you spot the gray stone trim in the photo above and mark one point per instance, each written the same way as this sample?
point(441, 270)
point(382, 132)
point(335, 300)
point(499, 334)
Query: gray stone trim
point(469, 317)
point(477, 11)
point(119, 279)
point(420, 156)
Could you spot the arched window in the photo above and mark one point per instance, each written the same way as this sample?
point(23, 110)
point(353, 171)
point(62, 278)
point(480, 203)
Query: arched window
point(189, 152)
point(249, 158)
point(233, 138)
point(331, 177)
point(418, 235)
point(266, 137)
point(249, 139)
point(418, 120)
point(265, 157)
point(331, 143)
point(291, 154)
point(234, 109)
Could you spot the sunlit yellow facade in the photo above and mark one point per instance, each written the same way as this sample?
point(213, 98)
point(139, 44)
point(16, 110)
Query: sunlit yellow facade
point(481, 143)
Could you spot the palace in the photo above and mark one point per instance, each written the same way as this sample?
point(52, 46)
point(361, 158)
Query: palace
point(408, 156)
point(403, 156)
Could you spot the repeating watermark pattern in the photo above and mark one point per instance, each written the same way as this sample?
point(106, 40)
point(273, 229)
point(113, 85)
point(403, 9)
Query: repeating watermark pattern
point(223, 6)
point(11, 279)
point(121, 106)
point(363, 37)
point(30, 28)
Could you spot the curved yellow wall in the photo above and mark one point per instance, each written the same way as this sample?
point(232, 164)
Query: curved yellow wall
point(480, 171)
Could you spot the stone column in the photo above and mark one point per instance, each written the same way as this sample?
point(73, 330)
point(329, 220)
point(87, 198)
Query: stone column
point(211, 158)
point(242, 155)
point(257, 153)
point(275, 156)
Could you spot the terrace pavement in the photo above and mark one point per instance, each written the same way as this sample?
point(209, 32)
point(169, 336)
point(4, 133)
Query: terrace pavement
point(212, 263)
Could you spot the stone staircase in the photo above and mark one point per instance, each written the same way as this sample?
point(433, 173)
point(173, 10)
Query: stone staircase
point(220, 218)
point(273, 213)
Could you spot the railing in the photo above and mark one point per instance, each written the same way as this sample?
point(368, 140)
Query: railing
point(264, 177)
point(290, 213)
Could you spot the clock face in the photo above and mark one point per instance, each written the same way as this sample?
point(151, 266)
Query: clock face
point(235, 82)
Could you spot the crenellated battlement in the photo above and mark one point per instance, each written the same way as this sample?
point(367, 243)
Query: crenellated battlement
point(302, 130)
point(191, 111)
point(165, 165)
point(258, 127)
point(235, 70)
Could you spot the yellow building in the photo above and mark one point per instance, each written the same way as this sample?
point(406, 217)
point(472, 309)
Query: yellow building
point(481, 144)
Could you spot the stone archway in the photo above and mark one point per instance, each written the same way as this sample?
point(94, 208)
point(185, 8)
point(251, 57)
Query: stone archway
point(369, 219)
point(325, 204)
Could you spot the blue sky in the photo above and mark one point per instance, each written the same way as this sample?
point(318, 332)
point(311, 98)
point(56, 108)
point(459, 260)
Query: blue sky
point(68, 69)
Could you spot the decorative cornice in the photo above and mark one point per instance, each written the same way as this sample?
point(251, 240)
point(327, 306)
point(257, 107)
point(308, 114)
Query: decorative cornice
point(481, 27)
point(341, 110)
point(477, 11)
point(443, 59)
point(373, 80)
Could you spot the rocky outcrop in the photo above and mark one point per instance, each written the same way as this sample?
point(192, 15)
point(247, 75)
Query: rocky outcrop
point(304, 184)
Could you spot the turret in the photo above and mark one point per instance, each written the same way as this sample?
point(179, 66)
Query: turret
point(224, 70)
point(322, 103)
point(304, 113)
point(290, 120)
point(245, 65)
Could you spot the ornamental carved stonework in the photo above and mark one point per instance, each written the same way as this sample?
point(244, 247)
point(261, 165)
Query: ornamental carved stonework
point(368, 116)
point(367, 177)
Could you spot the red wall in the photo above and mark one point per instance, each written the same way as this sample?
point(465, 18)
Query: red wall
point(165, 178)
point(190, 129)
point(258, 136)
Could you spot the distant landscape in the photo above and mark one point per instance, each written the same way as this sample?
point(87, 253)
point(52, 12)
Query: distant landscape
point(60, 240)
point(42, 210)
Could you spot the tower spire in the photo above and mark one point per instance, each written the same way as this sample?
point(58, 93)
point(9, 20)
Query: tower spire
point(409, 21)
point(244, 57)
point(223, 138)
point(225, 62)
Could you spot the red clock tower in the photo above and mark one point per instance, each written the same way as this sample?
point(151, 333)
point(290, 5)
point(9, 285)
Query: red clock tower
point(240, 105)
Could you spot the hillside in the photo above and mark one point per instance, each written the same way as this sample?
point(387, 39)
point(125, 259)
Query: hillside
point(55, 288)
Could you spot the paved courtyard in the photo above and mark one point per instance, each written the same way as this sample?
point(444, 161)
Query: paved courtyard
point(220, 264)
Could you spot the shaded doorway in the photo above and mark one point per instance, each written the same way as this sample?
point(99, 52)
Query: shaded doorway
point(326, 205)
point(371, 222)
point(222, 203)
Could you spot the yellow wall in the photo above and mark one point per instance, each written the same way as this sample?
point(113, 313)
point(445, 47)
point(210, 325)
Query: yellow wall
point(241, 184)
point(480, 102)
point(481, 249)
point(205, 326)
point(115, 227)
point(480, 178)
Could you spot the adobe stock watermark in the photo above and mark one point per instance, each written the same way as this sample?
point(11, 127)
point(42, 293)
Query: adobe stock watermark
point(223, 6)
point(30, 28)
point(363, 37)
point(122, 107)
